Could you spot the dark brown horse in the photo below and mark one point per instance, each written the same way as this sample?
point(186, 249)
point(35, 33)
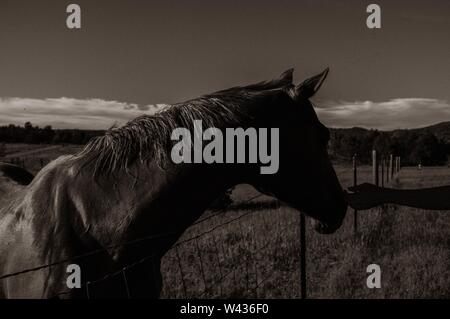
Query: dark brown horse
point(123, 187)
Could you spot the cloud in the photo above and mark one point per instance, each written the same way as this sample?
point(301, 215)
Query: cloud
point(71, 113)
point(392, 114)
point(101, 114)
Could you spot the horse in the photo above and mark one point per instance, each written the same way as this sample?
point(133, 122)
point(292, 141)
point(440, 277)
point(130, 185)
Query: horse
point(122, 199)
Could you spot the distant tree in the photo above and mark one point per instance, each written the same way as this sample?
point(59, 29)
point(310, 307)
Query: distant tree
point(46, 135)
point(2, 150)
point(28, 126)
point(428, 150)
point(383, 144)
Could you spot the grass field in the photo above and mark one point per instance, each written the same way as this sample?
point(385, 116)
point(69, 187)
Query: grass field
point(34, 156)
point(257, 255)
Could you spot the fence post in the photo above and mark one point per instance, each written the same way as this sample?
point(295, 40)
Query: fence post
point(88, 293)
point(302, 256)
point(355, 182)
point(391, 167)
point(375, 168)
point(382, 171)
point(386, 170)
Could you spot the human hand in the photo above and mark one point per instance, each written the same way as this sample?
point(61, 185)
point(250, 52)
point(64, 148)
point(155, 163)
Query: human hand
point(365, 196)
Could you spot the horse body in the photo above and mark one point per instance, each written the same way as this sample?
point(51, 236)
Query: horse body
point(34, 222)
point(52, 219)
point(124, 200)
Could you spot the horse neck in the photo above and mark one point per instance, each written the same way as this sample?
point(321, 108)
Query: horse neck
point(157, 202)
point(160, 204)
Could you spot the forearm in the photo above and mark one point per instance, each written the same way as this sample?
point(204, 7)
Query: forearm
point(436, 198)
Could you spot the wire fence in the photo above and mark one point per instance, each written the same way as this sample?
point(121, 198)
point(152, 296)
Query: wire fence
point(231, 252)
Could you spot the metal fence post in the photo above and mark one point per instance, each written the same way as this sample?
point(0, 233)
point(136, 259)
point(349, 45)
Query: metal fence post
point(302, 256)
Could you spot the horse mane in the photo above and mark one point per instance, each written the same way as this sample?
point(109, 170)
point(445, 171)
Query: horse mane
point(147, 137)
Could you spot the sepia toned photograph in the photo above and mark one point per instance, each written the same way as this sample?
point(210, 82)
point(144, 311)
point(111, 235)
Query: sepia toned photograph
point(224, 150)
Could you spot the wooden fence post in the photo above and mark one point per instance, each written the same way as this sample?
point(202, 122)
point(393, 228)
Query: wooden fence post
point(395, 165)
point(382, 171)
point(375, 168)
point(391, 167)
point(302, 256)
point(387, 170)
point(355, 182)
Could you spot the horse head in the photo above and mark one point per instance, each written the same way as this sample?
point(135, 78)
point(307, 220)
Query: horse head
point(305, 179)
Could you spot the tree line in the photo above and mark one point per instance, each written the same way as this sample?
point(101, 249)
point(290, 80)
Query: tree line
point(427, 146)
point(419, 146)
point(47, 135)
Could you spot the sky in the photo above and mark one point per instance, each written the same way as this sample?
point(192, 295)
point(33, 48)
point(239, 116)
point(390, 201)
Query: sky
point(132, 57)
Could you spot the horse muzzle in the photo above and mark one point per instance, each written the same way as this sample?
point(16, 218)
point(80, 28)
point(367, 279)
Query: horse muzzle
point(330, 225)
point(324, 228)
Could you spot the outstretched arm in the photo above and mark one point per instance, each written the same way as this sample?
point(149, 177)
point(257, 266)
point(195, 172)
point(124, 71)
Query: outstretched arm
point(366, 196)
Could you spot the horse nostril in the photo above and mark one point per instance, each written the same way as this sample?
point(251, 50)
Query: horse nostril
point(324, 228)
point(319, 226)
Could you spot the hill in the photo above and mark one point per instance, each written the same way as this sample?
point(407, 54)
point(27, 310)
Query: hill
point(440, 130)
point(428, 145)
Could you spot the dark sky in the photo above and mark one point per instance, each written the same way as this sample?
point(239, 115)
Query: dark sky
point(150, 52)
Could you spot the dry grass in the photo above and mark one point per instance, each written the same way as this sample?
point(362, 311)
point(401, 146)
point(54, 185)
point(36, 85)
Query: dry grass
point(34, 156)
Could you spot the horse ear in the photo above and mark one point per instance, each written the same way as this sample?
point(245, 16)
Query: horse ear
point(286, 77)
point(310, 86)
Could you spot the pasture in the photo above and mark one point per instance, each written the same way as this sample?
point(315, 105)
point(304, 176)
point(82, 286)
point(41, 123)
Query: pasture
point(251, 249)
point(34, 156)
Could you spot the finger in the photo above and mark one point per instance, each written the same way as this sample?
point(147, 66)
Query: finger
point(354, 189)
